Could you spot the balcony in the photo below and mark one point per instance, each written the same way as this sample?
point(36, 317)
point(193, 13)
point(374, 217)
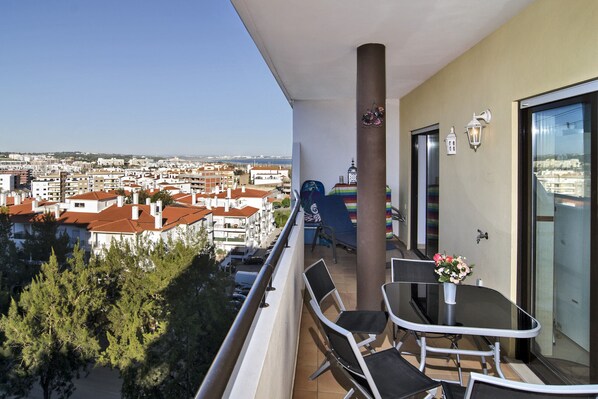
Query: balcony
point(280, 351)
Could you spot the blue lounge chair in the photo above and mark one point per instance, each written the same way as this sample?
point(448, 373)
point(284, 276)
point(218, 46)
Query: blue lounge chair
point(336, 225)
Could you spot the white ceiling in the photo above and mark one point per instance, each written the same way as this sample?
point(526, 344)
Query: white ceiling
point(310, 45)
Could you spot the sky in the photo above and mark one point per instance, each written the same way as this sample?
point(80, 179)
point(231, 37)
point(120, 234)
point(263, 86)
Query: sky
point(150, 77)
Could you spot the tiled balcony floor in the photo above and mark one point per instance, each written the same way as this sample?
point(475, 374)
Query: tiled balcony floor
point(310, 356)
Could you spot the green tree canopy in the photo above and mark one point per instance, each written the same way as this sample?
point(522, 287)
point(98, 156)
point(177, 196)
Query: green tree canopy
point(163, 196)
point(281, 216)
point(167, 318)
point(10, 265)
point(49, 331)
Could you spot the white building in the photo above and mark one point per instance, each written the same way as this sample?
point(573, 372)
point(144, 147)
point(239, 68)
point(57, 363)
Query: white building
point(95, 219)
point(7, 182)
point(268, 175)
point(236, 230)
point(239, 198)
point(111, 162)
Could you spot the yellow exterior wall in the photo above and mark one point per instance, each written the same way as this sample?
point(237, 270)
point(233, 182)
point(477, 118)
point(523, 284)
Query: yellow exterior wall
point(550, 45)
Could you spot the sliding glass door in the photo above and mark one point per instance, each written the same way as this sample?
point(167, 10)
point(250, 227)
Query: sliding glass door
point(559, 178)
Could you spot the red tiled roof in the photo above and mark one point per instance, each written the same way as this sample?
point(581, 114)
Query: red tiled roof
point(238, 193)
point(95, 195)
point(243, 212)
point(115, 219)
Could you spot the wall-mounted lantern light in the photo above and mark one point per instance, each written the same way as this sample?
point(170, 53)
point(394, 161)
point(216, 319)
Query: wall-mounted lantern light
point(451, 142)
point(474, 128)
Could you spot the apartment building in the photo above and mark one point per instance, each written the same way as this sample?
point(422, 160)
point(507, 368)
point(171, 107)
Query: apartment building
point(95, 219)
point(236, 230)
point(206, 178)
point(58, 187)
point(23, 174)
point(105, 180)
point(8, 182)
point(268, 175)
point(251, 205)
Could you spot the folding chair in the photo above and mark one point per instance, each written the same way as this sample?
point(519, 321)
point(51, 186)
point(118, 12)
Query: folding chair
point(488, 387)
point(320, 286)
point(384, 374)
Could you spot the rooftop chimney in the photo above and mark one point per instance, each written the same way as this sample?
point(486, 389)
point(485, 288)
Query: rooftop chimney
point(17, 199)
point(3, 199)
point(120, 201)
point(243, 188)
point(57, 211)
point(34, 204)
point(148, 201)
point(158, 220)
point(193, 198)
point(226, 206)
point(209, 203)
point(228, 193)
point(135, 215)
point(159, 205)
point(135, 198)
point(152, 209)
point(217, 190)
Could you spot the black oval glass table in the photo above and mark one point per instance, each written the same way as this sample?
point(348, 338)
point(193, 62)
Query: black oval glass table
point(478, 311)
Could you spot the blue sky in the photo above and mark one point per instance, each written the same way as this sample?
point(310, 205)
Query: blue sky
point(143, 77)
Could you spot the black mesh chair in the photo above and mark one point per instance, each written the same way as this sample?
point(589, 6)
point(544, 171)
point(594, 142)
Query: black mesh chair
point(413, 271)
point(488, 387)
point(420, 271)
point(384, 374)
point(320, 286)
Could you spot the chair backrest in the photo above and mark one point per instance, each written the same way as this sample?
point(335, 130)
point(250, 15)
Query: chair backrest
point(488, 387)
point(334, 213)
point(344, 348)
point(412, 270)
point(319, 283)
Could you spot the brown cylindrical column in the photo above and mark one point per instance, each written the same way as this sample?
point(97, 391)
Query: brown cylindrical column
point(371, 178)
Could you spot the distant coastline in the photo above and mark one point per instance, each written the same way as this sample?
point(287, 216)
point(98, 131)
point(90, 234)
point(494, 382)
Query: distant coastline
point(259, 161)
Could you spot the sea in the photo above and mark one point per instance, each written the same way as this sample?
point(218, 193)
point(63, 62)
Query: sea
point(257, 161)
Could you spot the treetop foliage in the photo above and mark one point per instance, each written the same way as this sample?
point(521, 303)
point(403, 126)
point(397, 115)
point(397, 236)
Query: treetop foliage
point(160, 326)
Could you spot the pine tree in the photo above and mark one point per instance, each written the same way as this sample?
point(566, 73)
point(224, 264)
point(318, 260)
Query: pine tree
point(45, 239)
point(168, 320)
point(9, 262)
point(163, 196)
point(50, 330)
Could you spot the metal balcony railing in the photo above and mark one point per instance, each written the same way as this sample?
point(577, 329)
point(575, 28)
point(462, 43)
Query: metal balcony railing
point(216, 380)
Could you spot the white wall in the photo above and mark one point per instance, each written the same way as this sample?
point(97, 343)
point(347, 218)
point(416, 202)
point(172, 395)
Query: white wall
point(325, 133)
point(392, 156)
point(266, 367)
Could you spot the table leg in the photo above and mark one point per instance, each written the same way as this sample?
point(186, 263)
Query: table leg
point(422, 361)
point(497, 359)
